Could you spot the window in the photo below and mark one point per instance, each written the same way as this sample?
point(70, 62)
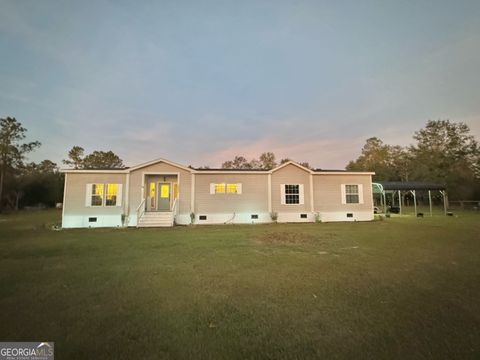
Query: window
point(303, 216)
point(103, 195)
point(231, 188)
point(111, 194)
point(151, 195)
point(292, 194)
point(175, 190)
point(222, 188)
point(219, 188)
point(165, 191)
point(202, 217)
point(351, 194)
point(254, 216)
point(97, 195)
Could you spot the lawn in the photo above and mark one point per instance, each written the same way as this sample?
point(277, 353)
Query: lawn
point(403, 288)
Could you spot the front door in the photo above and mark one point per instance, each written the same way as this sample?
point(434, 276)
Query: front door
point(163, 196)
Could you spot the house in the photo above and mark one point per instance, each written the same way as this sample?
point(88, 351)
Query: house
point(163, 193)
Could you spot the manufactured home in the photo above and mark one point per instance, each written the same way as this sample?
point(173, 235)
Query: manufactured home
point(163, 193)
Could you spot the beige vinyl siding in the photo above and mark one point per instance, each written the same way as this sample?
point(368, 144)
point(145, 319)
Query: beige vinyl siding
point(253, 199)
point(76, 188)
point(136, 193)
point(327, 192)
point(290, 174)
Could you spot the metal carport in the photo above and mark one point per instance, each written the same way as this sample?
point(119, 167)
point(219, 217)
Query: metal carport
point(396, 187)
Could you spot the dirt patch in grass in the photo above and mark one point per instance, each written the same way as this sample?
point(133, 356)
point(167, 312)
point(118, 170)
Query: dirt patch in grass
point(285, 238)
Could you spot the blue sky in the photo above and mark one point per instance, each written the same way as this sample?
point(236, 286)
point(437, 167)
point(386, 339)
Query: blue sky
point(200, 81)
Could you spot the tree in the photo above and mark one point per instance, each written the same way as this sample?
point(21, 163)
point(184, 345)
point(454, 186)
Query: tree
point(12, 150)
point(75, 157)
point(239, 162)
point(446, 152)
point(102, 160)
point(388, 162)
point(374, 157)
point(40, 183)
point(267, 161)
point(95, 160)
point(306, 165)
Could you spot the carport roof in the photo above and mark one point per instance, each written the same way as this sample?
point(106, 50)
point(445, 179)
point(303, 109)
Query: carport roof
point(411, 185)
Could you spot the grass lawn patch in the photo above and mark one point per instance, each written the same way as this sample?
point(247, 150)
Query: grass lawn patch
point(402, 288)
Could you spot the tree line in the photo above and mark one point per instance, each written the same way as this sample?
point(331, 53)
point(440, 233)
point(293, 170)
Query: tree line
point(266, 161)
point(24, 183)
point(443, 151)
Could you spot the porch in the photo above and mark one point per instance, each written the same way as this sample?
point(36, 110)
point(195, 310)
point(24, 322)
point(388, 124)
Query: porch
point(159, 204)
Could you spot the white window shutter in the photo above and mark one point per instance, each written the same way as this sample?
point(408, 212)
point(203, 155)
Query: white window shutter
point(119, 195)
point(212, 188)
point(282, 194)
point(239, 189)
point(360, 193)
point(344, 194)
point(88, 195)
point(301, 194)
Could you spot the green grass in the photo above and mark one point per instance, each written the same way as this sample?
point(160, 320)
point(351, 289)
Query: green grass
point(403, 288)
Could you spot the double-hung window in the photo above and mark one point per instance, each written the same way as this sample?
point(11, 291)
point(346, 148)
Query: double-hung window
point(352, 193)
point(111, 193)
point(219, 188)
point(291, 194)
point(96, 198)
point(103, 195)
point(231, 188)
point(225, 188)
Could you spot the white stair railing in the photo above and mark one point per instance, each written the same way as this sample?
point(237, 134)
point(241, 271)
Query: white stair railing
point(140, 210)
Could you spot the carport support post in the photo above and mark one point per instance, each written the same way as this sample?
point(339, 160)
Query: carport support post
point(430, 202)
point(444, 201)
point(400, 201)
point(384, 202)
point(414, 202)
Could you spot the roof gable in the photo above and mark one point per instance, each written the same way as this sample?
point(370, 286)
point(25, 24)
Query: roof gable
point(153, 162)
point(292, 163)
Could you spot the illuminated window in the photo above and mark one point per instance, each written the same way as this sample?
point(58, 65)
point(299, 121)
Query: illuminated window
point(292, 194)
point(219, 188)
point(151, 194)
point(97, 195)
point(351, 194)
point(175, 190)
point(222, 188)
point(164, 191)
point(111, 194)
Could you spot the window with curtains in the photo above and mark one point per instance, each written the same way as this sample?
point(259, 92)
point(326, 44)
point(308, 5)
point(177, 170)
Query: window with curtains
point(111, 193)
point(97, 195)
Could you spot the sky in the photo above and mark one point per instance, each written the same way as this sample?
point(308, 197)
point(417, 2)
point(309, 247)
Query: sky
point(198, 82)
